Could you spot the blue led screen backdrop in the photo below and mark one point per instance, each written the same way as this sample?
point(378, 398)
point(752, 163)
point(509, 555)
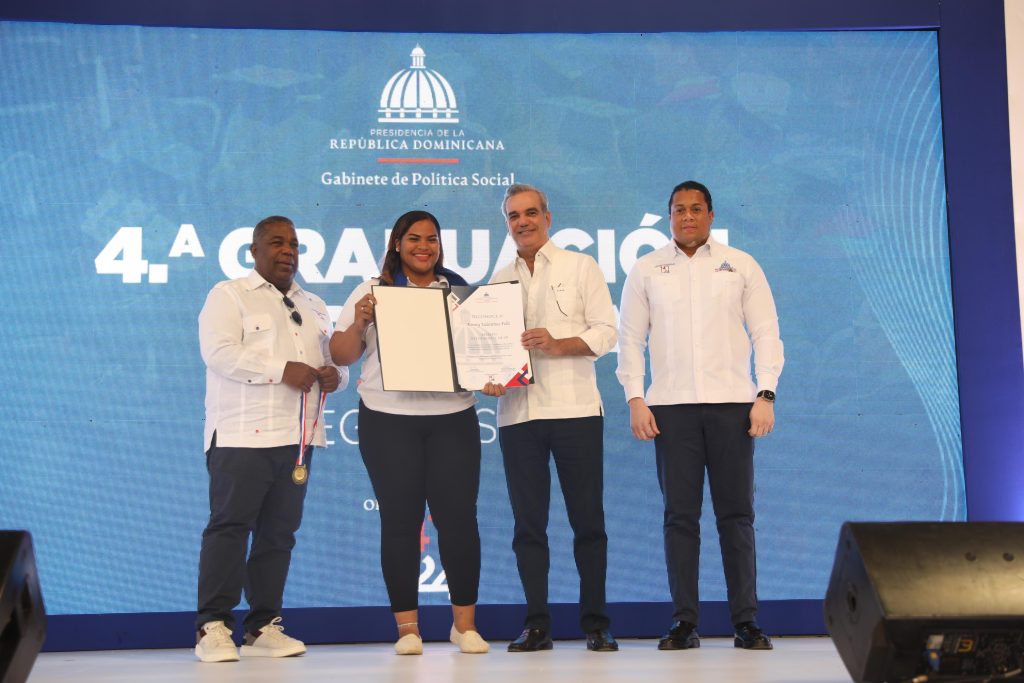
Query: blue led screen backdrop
point(134, 161)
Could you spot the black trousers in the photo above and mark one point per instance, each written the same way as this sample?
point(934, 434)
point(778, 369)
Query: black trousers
point(577, 446)
point(418, 460)
point(712, 437)
point(251, 492)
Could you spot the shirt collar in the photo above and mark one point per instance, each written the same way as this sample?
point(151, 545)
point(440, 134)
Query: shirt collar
point(438, 281)
point(711, 248)
point(548, 251)
point(254, 281)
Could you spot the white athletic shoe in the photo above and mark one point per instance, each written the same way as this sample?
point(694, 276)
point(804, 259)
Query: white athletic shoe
point(272, 642)
point(216, 644)
point(409, 644)
point(469, 642)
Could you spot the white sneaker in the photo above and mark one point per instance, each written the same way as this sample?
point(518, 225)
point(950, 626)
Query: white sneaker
point(272, 642)
point(409, 644)
point(216, 644)
point(469, 642)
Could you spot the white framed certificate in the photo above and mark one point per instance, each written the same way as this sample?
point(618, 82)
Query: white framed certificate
point(414, 341)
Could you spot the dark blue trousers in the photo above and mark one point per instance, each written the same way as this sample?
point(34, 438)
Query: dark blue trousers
point(577, 446)
point(251, 493)
point(425, 460)
point(711, 437)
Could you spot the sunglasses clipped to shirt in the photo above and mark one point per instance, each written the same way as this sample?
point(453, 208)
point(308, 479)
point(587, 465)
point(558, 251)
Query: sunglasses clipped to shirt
point(291, 307)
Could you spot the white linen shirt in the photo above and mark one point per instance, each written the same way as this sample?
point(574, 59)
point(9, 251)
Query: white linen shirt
point(699, 317)
point(567, 295)
point(246, 337)
point(371, 385)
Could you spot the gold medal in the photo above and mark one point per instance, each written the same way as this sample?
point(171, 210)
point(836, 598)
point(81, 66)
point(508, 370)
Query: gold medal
point(300, 474)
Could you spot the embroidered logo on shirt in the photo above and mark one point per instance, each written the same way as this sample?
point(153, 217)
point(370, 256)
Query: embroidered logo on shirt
point(665, 268)
point(725, 267)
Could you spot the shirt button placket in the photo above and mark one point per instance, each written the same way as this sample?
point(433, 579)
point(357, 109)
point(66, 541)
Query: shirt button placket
point(697, 299)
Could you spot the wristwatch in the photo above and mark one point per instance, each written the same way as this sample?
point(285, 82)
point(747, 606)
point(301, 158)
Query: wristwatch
point(767, 394)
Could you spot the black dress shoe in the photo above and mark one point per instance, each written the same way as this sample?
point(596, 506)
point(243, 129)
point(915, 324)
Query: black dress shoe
point(750, 637)
point(531, 640)
point(681, 636)
point(601, 641)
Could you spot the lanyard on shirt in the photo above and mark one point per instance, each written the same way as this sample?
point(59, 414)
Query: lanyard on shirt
point(300, 474)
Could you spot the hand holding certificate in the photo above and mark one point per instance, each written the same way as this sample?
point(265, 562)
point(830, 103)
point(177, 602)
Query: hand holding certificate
point(451, 340)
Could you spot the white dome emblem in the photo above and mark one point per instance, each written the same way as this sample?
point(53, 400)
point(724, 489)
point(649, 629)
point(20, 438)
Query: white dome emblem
point(418, 95)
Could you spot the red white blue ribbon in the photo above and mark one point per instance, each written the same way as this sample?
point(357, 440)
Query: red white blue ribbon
point(302, 422)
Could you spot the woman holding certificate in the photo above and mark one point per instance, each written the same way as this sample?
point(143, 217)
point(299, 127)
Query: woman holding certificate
point(419, 448)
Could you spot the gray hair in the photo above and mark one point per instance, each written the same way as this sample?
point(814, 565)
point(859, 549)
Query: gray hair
point(519, 188)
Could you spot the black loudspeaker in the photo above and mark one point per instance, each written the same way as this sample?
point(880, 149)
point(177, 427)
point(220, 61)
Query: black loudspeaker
point(22, 617)
point(928, 601)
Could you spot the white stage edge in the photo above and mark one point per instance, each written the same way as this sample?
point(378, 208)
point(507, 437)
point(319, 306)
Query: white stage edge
point(794, 660)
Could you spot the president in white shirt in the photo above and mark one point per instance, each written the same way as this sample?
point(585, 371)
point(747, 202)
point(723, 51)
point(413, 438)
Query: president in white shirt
point(570, 323)
point(699, 307)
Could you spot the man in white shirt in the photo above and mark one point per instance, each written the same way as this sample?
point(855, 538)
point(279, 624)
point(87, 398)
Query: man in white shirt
point(265, 341)
point(570, 323)
point(699, 307)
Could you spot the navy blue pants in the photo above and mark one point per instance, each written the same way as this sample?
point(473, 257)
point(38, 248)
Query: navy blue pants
point(577, 445)
point(251, 492)
point(712, 437)
point(419, 460)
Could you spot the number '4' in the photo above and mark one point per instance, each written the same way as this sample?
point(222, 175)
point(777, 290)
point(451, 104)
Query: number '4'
point(122, 256)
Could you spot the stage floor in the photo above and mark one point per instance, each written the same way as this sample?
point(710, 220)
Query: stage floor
point(717, 661)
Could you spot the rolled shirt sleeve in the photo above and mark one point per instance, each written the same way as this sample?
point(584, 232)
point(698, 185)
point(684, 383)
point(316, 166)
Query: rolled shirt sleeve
point(599, 312)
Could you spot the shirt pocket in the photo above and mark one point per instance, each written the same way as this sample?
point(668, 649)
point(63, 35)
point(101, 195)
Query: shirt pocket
point(727, 288)
point(258, 331)
point(562, 304)
point(664, 292)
